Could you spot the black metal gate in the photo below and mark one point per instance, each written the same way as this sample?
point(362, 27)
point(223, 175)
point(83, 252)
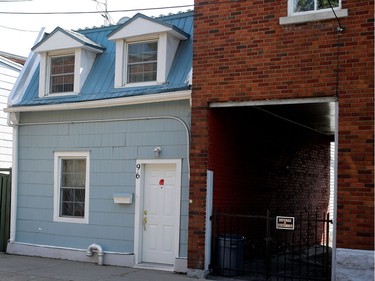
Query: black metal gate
point(271, 246)
point(5, 192)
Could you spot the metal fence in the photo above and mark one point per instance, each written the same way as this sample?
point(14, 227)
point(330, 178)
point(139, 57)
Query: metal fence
point(5, 192)
point(271, 247)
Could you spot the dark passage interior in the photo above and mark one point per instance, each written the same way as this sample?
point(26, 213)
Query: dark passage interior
point(266, 165)
point(263, 162)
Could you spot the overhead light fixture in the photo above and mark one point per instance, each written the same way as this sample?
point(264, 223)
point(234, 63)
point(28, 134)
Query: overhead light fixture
point(157, 151)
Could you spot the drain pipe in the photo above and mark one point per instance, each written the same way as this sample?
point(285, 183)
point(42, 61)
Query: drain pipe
point(13, 122)
point(98, 249)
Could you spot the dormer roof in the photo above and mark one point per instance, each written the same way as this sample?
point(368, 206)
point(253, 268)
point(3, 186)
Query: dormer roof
point(141, 25)
point(99, 85)
point(60, 39)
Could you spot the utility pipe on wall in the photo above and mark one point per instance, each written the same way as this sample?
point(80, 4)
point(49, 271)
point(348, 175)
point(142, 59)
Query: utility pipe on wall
point(124, 119)
point(98, 249)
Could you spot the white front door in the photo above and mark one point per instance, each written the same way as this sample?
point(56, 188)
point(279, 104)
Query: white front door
point(160, 214)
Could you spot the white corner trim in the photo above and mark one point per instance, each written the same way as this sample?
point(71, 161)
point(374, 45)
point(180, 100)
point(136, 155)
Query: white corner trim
point(161, 97)
point(316, 16)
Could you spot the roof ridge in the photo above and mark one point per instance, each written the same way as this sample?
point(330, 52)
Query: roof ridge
point(160, 17)
point(175, 15)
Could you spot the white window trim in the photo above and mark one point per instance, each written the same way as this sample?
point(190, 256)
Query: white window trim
point(309, 16)
point(45, 72)
point(122, 55)
point(57, 170)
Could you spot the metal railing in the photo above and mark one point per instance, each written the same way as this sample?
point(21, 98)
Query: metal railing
point(271, 247)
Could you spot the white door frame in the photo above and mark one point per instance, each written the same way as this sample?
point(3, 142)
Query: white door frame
point(139, 187)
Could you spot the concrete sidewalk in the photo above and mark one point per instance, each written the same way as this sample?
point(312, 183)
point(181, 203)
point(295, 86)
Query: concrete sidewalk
point(25, 268)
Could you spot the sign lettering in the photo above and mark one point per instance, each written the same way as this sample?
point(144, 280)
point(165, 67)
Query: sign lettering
point(285, 223)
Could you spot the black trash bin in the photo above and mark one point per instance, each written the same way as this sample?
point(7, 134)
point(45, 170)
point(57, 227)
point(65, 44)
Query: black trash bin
point(230, 254)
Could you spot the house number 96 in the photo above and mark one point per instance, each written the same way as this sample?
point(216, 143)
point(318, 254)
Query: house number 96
point(137, 175)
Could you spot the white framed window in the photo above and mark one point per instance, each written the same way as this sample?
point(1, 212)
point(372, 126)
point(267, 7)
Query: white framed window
point(300, 11)
point(141, 62)
point(145, 50)
point(145, 60)
point(71, 187)
point(64, 72)
point(302, 6)
point(61, 74)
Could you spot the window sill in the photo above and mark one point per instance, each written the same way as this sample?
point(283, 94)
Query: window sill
point(55, 95)
point(140, 84)
point(318, 16)
point(71, 220)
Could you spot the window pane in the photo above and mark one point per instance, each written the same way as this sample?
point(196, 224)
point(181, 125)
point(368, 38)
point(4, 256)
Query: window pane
point(142, 62)
point(135, 48)
point(133, 58)
point(72, 202)
point(62, 74)
point(73, 172)
point(73, 182)
point(150, 67)
point(134, 78)
point(69, 209)
point(150, 76)
point(324, 4)
point(56, 69)
point(62, 83)
point(142, 52)
point(136, 68)
point(142, 72)
point(303, 5)
point(66, 209)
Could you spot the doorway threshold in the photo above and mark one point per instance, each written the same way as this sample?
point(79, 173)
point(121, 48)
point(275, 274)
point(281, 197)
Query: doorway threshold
point(155, 266)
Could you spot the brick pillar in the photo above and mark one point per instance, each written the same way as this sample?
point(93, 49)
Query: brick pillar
point(198, 176)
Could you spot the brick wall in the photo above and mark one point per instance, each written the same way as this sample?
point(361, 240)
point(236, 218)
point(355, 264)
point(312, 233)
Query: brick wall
point(242, 53)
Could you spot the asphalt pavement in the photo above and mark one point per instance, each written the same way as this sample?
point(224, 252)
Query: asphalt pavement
point(26, 268)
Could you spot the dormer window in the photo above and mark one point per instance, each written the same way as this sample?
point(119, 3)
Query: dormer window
point(66, 58)
point(62, 74)
point(145, 50)
point(142, 61)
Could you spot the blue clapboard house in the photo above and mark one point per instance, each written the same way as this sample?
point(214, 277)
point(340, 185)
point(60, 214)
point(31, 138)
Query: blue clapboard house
point(101, 122)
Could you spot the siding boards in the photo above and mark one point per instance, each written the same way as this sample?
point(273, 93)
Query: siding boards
point(5, 132)
point(114, 147)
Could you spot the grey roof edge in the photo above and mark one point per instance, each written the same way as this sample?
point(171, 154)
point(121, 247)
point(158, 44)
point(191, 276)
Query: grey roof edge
point(155, 20)
point(175, 95)
point(13, 65)
point(74, 35)
point(13, 57)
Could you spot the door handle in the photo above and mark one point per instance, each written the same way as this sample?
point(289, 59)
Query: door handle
point(144, 223)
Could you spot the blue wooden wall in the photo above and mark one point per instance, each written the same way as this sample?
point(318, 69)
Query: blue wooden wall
point(114, 148)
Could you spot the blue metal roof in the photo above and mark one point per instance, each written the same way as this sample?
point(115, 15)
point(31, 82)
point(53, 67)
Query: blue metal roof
point(100, 82)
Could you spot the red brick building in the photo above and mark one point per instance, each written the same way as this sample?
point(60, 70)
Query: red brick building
point(276, 86)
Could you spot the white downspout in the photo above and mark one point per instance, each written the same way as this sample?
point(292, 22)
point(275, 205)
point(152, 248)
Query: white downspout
point(13, 122)
point(98, 249)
